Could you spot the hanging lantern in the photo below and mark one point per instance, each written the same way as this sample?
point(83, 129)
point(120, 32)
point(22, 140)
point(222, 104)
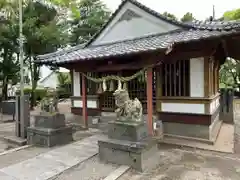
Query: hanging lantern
point(100, 90)
point(119, 85)
point(104, 86)
point(111, 87)
point(125, 86)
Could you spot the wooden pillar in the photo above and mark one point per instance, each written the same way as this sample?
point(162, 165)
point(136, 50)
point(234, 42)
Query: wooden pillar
point(84, 102)
point(150, 101)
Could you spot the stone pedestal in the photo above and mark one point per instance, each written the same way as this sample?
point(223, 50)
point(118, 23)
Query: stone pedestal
point(49, 130)
point(131, 131)
point(128, 144)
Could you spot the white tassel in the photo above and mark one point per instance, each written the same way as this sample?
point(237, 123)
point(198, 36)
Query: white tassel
point(104, 86)
point(119, 85)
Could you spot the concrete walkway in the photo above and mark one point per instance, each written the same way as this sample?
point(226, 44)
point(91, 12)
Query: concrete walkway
point(52, 163)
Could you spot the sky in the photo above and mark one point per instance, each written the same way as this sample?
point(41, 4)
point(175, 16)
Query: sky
point(201, 10)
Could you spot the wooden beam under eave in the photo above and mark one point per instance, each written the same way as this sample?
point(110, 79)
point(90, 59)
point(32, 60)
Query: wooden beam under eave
point(119, 67)
point(178, 55)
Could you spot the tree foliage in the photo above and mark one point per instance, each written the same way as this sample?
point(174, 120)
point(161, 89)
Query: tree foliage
point(230, 73)
point(169, 15)
point(230, 70)
point(187, 17)
point(42, 35)
point(63, 78)
point(64, 84)
point(232, 15)
point(93, 14)
point(9, 64)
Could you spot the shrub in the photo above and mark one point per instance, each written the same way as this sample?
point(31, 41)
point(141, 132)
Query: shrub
point(39, 93)
point(63, 93)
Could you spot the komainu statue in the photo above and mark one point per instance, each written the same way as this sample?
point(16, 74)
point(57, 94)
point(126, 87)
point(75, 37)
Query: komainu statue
point(50, 102)
point(127, 109)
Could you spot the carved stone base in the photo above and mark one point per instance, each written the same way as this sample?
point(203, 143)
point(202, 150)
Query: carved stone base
point(49, 137)
point(127, 130)
point(138, 155)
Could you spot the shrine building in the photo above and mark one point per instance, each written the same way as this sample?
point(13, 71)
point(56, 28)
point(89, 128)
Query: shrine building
point(180, 64)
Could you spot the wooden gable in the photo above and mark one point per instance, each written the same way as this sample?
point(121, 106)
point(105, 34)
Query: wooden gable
point(132, 21)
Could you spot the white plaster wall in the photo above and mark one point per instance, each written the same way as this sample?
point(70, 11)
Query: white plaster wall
point(90, 103)
point(197, 77)
point(214, 105)
point(136, 27)
point(50, 82)
point(183, 108)
point(76, 84)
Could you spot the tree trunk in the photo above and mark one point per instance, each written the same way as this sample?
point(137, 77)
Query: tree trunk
point(34, 78)
point(5, 89)
point(32, 102)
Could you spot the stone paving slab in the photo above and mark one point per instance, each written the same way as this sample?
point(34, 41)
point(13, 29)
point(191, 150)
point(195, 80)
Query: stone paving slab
point(91, 169)
point(21, 155)
point(49, 164)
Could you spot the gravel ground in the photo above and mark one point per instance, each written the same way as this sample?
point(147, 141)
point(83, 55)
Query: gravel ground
point(92, 169)
point(182, 165)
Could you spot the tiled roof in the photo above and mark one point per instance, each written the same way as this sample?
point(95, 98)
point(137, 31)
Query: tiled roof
point(210, 25)
point(215, 25)
point(139, 45)
point(196, 30)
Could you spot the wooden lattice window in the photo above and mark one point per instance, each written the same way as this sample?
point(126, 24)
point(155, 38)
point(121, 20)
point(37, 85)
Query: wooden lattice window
point(107, 101)
point(176, 78)
point(137, 87)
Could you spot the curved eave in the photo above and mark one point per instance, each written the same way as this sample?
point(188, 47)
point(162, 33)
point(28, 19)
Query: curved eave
point(228, 37)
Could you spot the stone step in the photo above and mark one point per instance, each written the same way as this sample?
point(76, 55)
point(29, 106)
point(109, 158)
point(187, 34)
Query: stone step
point(14, 140)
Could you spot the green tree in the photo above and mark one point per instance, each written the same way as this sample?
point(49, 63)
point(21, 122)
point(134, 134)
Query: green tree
point(43, 34)
point(230, 73)
point(230, 70)
point(64, 84)
point(187, 17)
point(63, 78)
point(9, 64)
point(169, 15)
point(69, 4)
point(232, 15)
point(93, 14)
